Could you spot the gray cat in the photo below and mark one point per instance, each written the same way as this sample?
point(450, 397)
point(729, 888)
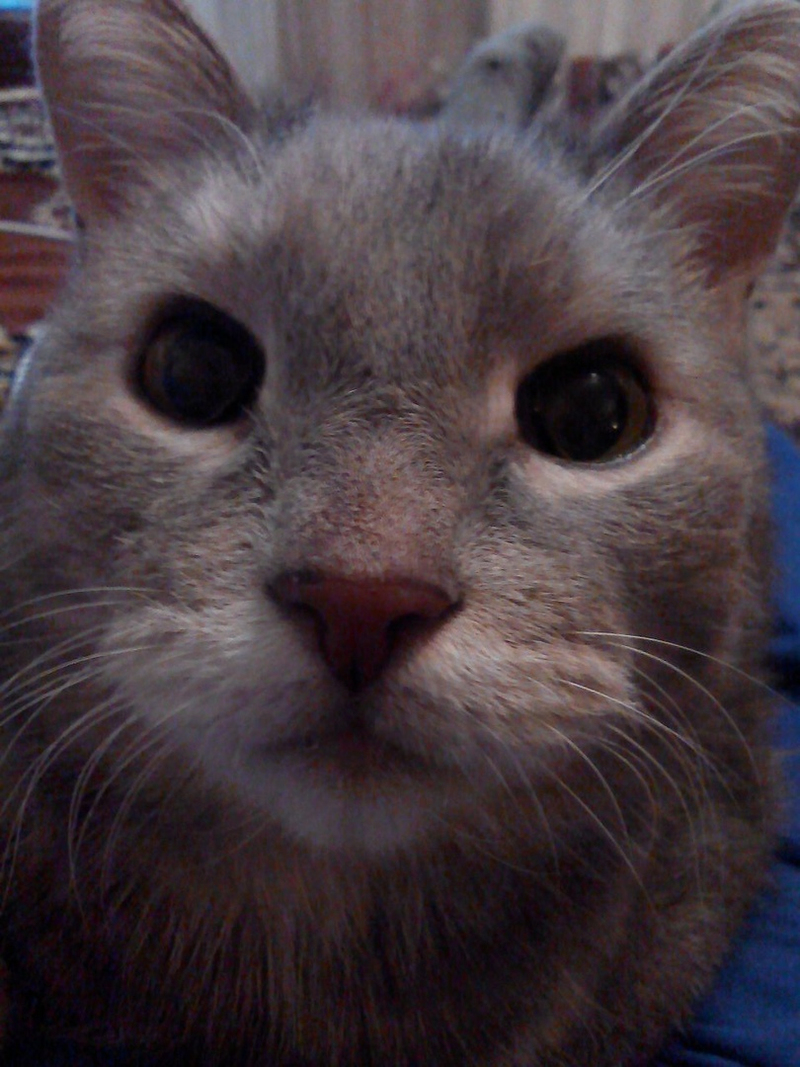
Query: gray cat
point(382, 566)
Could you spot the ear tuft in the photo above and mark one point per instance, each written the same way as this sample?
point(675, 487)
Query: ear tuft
point(129, 84)
point(713, 135)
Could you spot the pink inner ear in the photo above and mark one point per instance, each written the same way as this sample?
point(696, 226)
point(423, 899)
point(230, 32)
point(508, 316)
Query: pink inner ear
point(129, 86)
point(713, 135)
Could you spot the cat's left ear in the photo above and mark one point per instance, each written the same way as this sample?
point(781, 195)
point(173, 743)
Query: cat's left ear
point(129, 86)
point(712, 138)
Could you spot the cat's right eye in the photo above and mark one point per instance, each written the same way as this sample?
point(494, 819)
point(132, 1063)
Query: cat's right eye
point(199, 366)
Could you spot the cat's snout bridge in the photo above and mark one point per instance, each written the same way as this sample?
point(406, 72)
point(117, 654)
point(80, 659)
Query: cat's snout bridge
point(359, 620)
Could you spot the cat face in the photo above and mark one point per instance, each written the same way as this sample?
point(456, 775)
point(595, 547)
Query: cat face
point(378, 433)
point(381, 489)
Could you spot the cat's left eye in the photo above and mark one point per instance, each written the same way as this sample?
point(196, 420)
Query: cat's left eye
point(588, 405)
point(199, 366)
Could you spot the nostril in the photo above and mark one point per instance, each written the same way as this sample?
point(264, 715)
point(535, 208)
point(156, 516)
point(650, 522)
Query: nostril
point(360, 618)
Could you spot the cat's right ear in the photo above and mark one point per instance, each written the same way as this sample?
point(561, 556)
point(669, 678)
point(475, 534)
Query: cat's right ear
point(711, 140)
point(129, 85)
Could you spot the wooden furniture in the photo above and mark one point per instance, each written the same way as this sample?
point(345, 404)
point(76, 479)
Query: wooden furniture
point(31, 268)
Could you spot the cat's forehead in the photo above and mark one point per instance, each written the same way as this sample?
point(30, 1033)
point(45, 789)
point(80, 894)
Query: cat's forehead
point(398, 183)
point(401, 221)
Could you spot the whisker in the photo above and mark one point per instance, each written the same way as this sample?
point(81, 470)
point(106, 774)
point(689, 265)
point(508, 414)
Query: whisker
point(82, 593)
point(624, 854)
point(746, 676)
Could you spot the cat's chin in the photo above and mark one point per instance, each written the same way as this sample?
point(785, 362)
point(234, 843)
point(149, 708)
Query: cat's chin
point(348, 791)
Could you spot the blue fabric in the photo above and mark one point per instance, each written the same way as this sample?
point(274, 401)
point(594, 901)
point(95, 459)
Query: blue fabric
point(752, 1016)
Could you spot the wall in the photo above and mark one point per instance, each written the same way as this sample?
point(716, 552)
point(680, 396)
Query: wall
point(346, 51)
point(248, 32)
point(384, 51)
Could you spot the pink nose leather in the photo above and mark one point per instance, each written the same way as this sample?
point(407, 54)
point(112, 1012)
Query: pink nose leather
point(358, 617)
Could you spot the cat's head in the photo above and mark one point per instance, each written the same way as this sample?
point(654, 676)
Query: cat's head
point(379, 478)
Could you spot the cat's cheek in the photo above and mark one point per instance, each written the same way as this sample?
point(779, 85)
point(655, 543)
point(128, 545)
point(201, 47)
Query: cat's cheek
point(204, 449)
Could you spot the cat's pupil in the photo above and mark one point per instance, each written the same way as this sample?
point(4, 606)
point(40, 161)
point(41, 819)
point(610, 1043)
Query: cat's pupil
point(586, 419)
point(586, 406)
point(199, 377)
point(200, 367)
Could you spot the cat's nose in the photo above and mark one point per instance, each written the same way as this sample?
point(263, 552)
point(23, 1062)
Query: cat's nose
point(359, 618)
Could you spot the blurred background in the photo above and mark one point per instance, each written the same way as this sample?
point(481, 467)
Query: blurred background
point(388, 51)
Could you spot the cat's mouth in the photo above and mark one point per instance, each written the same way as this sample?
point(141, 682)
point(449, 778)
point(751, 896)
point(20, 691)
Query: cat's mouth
point(347, 787)
point(353, 751)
